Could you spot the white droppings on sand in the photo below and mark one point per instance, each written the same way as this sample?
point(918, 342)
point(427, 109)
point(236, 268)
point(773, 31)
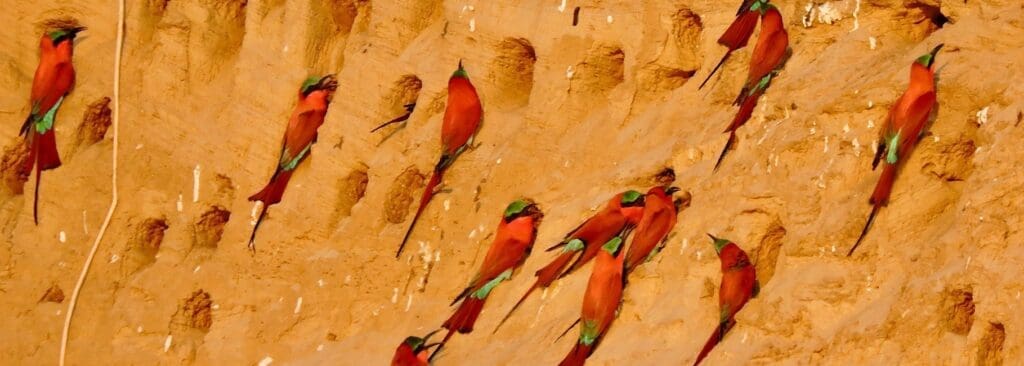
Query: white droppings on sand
point(280, 299)
point(856, 147)
point(904, 313)
point(195, 184)
point(138, 329)
point(872, 43)
point(167, 343)
point(821, 181)
point(179, 205)
point(935, 138)
point(472, 233)
point(497, 162)
point(744, 339)
point(968, 264)
point(813, 130)
point(826, 145)
point(691, 153)
point(544, 294)
point(348, 278)
point(871, 104)
point(699, 254)
point(196, 270)
point(298, 305)
point(408, 303)
point(437, 256)
point(62, 237)
point(569, 72)
point(982, 116)
point(447, 205)
point(808, 19)
point(114, 258)
point(856, 16)
point(320, 282)
point(610, 19)
point(846, 128)
point(59, 311)
point(472, 25)
point(320, 347)
point(871, 123)
point(215, 306)
point(829, 14)
point(561, 7)
point(874, 146)
point(256, 206)
point(138, 147)
point(266, 361)
point(833, 248)
point(85, 223)
point(394, 295)
point(686, 244)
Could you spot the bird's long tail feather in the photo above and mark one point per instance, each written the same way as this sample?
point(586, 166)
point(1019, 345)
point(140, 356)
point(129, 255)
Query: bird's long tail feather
point(408, 112)
point(716, 337)
point(864, 232)
point(270, 194)
point(725, 150)
point(440, 345)
point(44, 155)
point(516, 306)
point(566, 331)
point(715, 70)
point(465, 316)
point(577, 356)
point(428, 193)
point(878, 199)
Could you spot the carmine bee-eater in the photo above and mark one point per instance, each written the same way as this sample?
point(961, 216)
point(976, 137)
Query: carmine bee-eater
point(739, 32)
point(461, 121)
point(54, 78)
point(902, 130)
point(414, 351)
point(601, 301)
point(314, 96)
point(512, 244)
point(659, 217)
point(583, 243)
point(765, 63)
point(739, 285)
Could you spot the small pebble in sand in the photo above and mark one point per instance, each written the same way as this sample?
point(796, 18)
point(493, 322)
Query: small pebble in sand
point(139, 329)
point(394, 295)
point(298, 305)
point(114, 258)
point(320, 282)
point(610, 19)
point(138, 147)
point(320, 348)
point(872, 43)
point(497, 162)
point(472, 25)
point(62, 237)
point(196, 270)
point(447, 205)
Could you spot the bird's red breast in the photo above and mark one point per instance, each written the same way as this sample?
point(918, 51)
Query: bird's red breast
point(461, 116)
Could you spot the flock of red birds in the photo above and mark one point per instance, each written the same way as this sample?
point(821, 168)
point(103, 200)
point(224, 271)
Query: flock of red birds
point(646, 218)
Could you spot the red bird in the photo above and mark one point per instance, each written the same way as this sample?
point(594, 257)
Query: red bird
point(512, 244)
point(739, 32)
point(766, 61)
point(601, 301)
point(902, 130)
point(413, 351)
point(584, 242)
point(54, 78)
point(659, 217)
point(461, 121)
point(739, 285)
point(314, 96)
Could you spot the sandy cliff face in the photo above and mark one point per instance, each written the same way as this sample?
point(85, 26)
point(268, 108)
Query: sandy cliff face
point(574, 114)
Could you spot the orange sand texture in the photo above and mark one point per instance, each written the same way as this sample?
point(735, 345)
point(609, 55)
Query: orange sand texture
point(572, 116)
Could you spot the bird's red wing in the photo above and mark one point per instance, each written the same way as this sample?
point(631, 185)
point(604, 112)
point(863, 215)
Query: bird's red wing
point(302, 131)
point(52, 81)
point(916, 117)
point(767, 56)
point(604, 291)
point(506, 252)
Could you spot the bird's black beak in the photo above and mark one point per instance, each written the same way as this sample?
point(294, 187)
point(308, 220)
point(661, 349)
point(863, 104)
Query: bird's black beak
point(935, 52)
point(713, 238)
point(460, 64)
point(671, 190)
point(74, 30)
